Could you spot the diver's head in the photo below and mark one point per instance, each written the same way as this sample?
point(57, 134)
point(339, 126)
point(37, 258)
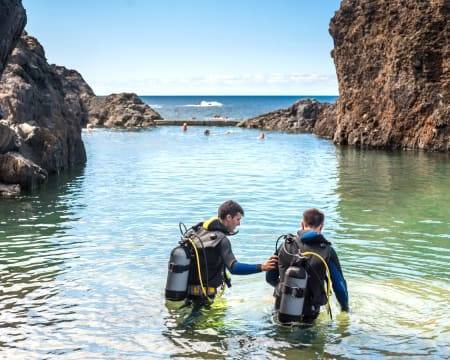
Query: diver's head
point(230, 214)
point(313, 219)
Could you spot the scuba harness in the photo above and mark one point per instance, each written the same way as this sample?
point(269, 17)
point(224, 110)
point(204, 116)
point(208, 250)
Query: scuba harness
point(295, 287)
point(185, 265)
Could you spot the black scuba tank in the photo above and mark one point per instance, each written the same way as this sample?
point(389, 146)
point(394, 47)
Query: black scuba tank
point(292, 293)
point(178, 273)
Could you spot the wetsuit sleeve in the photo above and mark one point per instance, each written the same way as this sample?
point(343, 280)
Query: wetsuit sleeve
point(239, 268)
point(226, 253)
point(339, 283)
point(232, 264)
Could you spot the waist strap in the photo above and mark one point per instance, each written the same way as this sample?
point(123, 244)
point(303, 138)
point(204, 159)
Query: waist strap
point(196, 290)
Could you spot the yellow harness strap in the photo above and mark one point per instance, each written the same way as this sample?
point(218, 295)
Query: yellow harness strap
point(209, 221)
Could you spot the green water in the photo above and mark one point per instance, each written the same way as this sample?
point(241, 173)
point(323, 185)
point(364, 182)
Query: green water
point(83, 261)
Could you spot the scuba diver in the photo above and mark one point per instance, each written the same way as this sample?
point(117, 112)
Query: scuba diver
point(306, 262)
point(197, 267)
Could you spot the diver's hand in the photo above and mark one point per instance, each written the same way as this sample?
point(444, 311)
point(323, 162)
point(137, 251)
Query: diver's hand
point(270, 264)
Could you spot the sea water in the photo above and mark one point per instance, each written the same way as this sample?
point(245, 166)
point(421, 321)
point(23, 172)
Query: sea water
point(229, 107)
point(83, 261)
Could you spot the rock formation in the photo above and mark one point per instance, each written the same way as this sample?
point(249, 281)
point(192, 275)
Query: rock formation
point(303, 116)
point(77, 92)
point(41, 131)
point(124, 110)
point(12, 23)
point(393, 67)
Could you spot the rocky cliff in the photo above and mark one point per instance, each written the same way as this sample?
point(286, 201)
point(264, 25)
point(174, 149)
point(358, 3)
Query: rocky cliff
point(44, 107)
point(12, 23)
point(393, 67)
point(43, 131)
point(304, 116)
point(77, 92)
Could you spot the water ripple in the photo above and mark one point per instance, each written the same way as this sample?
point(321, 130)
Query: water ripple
point(83, 261)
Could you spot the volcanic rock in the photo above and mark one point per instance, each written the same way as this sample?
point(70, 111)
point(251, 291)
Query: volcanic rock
point(47, 127)
point(303, 116)
point(9, 190)
point(124, 110)
point(16, 169)
point(12, 23)
point(393, 67)
point(78, 94)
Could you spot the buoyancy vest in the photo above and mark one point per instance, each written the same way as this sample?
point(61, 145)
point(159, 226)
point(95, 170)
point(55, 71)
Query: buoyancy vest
point(208, 245)
point(315, 293)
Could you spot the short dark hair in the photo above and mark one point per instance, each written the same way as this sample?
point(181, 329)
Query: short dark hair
point(313, 217)
point(229, 207)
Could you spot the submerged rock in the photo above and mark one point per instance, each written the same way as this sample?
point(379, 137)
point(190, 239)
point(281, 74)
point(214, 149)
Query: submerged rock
point(16, 169)
point(392, 64)
point(303, 116)
point(124, 110)
point(9, 190)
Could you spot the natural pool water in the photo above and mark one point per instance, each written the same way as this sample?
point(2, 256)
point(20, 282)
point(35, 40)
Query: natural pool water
point(83, 261)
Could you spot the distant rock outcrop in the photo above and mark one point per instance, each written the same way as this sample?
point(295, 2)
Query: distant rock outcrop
point(47, 130)
point(124, 110)
point(393, 67)
point(308, 116)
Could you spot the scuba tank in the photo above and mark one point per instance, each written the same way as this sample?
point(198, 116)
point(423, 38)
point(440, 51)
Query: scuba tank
point(293, 291)
point(178, 273)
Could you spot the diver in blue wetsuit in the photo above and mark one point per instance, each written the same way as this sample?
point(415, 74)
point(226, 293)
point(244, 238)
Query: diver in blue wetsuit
point(211, 239)
point(322, 258)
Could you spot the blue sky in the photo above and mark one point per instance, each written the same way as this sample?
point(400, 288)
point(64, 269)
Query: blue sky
point(197, 47)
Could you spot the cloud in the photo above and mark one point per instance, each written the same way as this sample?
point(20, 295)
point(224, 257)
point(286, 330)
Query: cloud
point(274, 83)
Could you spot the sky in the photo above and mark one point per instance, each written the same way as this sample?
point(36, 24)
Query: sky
point(196, 47)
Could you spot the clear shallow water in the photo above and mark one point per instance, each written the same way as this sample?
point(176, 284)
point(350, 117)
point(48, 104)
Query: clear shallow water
point(83, 262)
point(232, 107)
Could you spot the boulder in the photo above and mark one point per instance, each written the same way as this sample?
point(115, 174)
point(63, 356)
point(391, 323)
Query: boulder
point(7, 191)
point(8, 138)
point(393, 69)
point(16, 169)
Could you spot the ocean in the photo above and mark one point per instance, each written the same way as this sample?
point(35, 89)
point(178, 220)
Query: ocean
point(231, 107)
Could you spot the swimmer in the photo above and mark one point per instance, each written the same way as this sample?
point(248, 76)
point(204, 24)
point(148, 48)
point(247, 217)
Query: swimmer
point(184, 127)
point(261, 136)
point(206, 132)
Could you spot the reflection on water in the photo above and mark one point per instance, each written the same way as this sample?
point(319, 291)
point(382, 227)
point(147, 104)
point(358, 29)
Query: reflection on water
point(33, 250)
point(83, 262)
